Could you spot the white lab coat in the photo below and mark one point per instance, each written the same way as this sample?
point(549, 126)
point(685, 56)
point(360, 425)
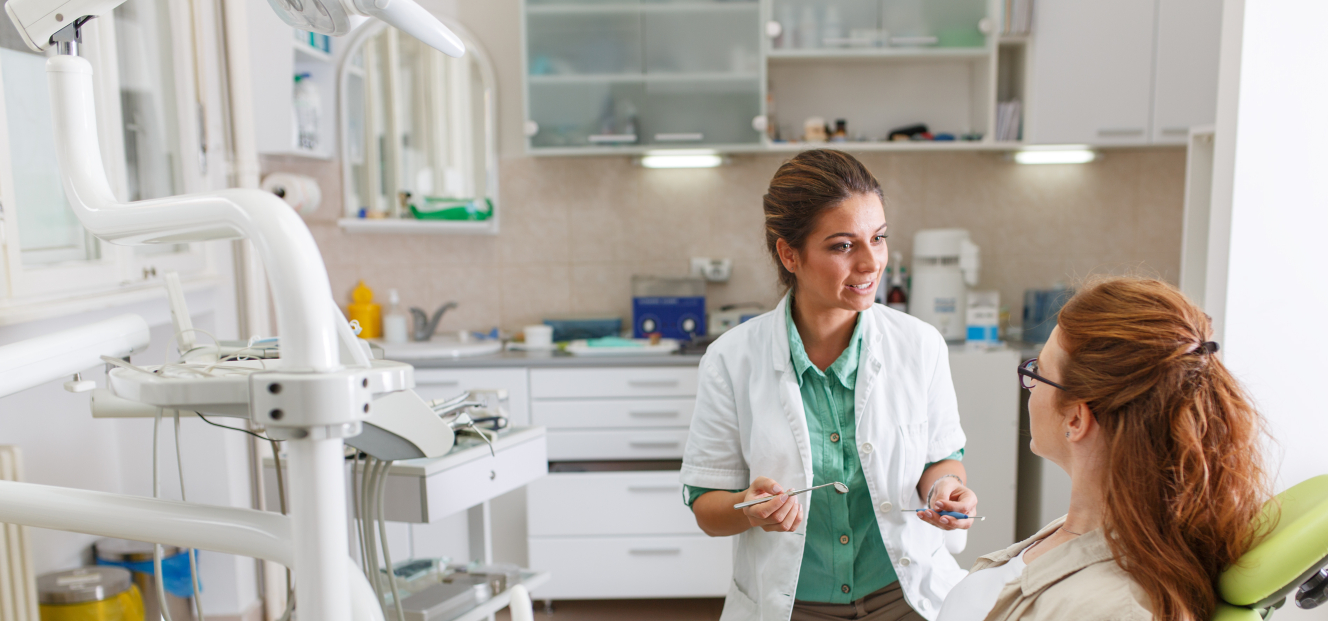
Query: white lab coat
point(749, 422)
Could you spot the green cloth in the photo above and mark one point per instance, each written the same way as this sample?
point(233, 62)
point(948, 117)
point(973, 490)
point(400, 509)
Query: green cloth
point(830, 562)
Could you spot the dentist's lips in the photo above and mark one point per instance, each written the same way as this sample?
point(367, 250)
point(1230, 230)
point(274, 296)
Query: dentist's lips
point(862, 288)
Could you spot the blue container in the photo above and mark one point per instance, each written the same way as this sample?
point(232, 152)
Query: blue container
point(671, 307)
point(1040, 309)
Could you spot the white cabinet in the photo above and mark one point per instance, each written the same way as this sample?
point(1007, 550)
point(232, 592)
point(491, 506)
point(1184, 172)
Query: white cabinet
point(1091, 71)
point(613, 524)
point(1189, 34)
point(277, 54)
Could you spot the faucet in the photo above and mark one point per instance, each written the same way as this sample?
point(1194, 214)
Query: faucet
point(424, 326)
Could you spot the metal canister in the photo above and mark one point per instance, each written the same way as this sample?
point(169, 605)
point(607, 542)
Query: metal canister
point(138, 555)
point(89, 594)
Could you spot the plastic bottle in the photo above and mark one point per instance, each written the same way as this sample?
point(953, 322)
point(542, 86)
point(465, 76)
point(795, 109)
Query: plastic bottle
point(363, 310)
point(308, 108)
point(897, 298)
point(394, 323)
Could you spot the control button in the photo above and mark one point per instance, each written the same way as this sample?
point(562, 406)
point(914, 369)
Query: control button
point(866, 447)
point(906, 561)
point(834, 437)
point(886, 507)
point(843, 539)
point(845, 588)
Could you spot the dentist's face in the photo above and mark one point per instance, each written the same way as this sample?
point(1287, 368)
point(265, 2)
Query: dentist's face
point(840, 263)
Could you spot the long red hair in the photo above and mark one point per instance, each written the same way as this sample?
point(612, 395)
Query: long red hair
point(1185, 480)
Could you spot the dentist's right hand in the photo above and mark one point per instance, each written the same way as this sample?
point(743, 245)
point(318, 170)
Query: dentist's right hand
point(783, 514)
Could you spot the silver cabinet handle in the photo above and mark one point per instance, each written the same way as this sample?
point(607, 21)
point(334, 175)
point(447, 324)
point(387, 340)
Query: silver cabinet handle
point(655, 551)
point(612, 138)
point(1120, 131)
point(441, 383)
point(646, 489)
point(680, 137)
point(1176, 131)
point(653, 443)
point(655, 414)
point(653, 383)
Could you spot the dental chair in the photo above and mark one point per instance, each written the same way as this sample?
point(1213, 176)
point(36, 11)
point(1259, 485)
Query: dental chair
point(1292, 561)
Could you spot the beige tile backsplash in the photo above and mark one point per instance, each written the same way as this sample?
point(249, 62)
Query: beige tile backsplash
point(574, 230)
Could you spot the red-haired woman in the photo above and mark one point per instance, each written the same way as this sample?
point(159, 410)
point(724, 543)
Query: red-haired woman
point(1162, 448)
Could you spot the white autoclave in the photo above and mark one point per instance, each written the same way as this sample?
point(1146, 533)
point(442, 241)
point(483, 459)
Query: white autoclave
point(945, 265)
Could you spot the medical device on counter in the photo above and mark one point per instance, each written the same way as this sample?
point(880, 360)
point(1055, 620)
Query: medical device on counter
point(945, 265)
point(673, 308)
point(317, 393)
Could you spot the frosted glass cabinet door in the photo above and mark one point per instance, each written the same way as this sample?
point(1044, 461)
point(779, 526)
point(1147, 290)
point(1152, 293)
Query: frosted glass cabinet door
point(580, 113)
point(711, 38)
point(714, 112)
point(578, 43)
point(810, 24)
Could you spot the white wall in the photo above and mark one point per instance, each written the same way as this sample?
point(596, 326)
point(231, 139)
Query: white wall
point(1269, 174)
point(63, 445)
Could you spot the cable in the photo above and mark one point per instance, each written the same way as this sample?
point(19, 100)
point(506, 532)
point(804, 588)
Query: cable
point(387, 549)
point(156, 493)
point(193, 554)
point(355, 485)
point(373, 541)
point(263, 438)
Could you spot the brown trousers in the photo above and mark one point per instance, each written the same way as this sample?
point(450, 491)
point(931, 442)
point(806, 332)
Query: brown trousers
point(886, 604)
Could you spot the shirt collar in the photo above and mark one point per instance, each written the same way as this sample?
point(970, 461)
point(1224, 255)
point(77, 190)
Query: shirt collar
point(844, 368)
point(1070, 557)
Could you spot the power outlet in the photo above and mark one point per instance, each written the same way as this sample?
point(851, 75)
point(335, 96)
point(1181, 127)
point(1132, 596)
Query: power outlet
point(713, 270)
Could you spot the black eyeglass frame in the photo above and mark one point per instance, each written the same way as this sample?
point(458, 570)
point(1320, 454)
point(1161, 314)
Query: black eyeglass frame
point(1025, 371)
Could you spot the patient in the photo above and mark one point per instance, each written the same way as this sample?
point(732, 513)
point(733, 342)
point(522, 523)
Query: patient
point(1163, 451)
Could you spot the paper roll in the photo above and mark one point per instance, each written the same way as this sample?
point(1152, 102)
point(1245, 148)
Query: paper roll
point(299, 191)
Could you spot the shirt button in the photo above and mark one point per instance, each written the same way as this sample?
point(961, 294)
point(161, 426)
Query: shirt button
point(866, 447)
point(843, 539)
point(845, 588)
point(886, 507)
point(905, 561)
point(834, 437)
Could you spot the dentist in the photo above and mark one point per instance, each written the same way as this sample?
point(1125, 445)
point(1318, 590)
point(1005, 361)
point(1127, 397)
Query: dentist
point(829, 387)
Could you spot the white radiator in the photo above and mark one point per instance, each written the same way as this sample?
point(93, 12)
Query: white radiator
point(18, 583)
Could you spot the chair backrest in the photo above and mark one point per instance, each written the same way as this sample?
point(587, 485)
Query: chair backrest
point(1289, 555)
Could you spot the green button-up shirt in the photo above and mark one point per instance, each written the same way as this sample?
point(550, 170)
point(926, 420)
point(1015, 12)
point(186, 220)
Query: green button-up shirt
point(844, 557)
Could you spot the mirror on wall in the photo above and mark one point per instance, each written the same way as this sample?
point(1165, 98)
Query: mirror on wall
point(420, 134)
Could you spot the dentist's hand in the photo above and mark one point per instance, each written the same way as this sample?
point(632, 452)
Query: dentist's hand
point(950, 495)
point(783, 514)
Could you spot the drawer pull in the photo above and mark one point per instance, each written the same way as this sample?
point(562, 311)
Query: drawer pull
point(654, 443)
point(442, 383)
point(653, 488)
point(655, 551)
point(655, 414)
point(1120, 131)
point(668, 383)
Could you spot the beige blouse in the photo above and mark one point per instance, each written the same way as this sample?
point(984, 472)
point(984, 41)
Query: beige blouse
point(1078, 579)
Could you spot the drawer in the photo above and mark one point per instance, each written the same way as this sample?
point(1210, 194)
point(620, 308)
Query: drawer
point(633, 567)
point(611, 382)
point(617, 444)
point(433, 384)
point(609, 413)
point(608, 503)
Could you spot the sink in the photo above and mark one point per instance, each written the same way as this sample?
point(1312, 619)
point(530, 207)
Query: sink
point(440, 347)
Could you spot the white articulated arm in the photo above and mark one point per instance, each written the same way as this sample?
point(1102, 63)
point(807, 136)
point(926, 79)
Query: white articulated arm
point(299, 279)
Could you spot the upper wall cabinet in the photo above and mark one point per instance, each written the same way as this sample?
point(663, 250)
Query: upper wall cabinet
point(1122, 73)
point(1189, 34)
point(294, 85)
point(613, 76)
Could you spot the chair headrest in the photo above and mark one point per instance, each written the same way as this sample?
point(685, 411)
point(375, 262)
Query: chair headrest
point(1288, 555)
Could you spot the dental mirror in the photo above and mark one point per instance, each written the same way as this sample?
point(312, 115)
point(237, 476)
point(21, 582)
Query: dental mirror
point(839, 487)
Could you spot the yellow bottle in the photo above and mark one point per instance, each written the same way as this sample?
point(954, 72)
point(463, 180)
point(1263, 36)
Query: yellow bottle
point(363, 310)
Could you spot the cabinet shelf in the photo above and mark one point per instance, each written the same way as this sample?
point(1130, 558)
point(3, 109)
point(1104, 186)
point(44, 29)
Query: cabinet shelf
point(420, 227)
point(679, 7)
point(880, 53)
point(311, 52)
point(637, 78)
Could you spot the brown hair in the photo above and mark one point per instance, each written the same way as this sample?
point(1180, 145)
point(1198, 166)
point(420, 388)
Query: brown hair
point(804, 188)
point(1184, 478)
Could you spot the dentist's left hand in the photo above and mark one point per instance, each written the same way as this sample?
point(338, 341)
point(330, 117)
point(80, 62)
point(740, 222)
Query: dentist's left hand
point(950, 495)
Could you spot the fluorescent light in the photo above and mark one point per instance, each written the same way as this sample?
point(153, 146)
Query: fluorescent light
point(1074, 154)
point(682, 158)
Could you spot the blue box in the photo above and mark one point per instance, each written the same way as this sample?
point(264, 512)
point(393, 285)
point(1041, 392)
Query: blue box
point(673, 317)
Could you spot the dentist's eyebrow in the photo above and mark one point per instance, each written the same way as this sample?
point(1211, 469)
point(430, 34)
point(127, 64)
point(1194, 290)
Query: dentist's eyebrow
point(850, 235)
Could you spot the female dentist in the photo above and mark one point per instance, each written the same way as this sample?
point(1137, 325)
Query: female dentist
point(829, 387)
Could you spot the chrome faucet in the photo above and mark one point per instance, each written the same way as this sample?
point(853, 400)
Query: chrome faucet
point(424, 326)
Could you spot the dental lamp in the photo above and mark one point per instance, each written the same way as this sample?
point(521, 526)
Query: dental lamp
point(39, 21)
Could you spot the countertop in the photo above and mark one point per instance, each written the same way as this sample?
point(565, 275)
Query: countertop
point(558, 360)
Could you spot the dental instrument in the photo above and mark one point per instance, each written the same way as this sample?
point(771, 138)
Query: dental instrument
point(953, 514)
point(839, 487)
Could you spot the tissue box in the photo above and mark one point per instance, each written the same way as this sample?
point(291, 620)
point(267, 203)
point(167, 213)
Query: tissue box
point(984, 318)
